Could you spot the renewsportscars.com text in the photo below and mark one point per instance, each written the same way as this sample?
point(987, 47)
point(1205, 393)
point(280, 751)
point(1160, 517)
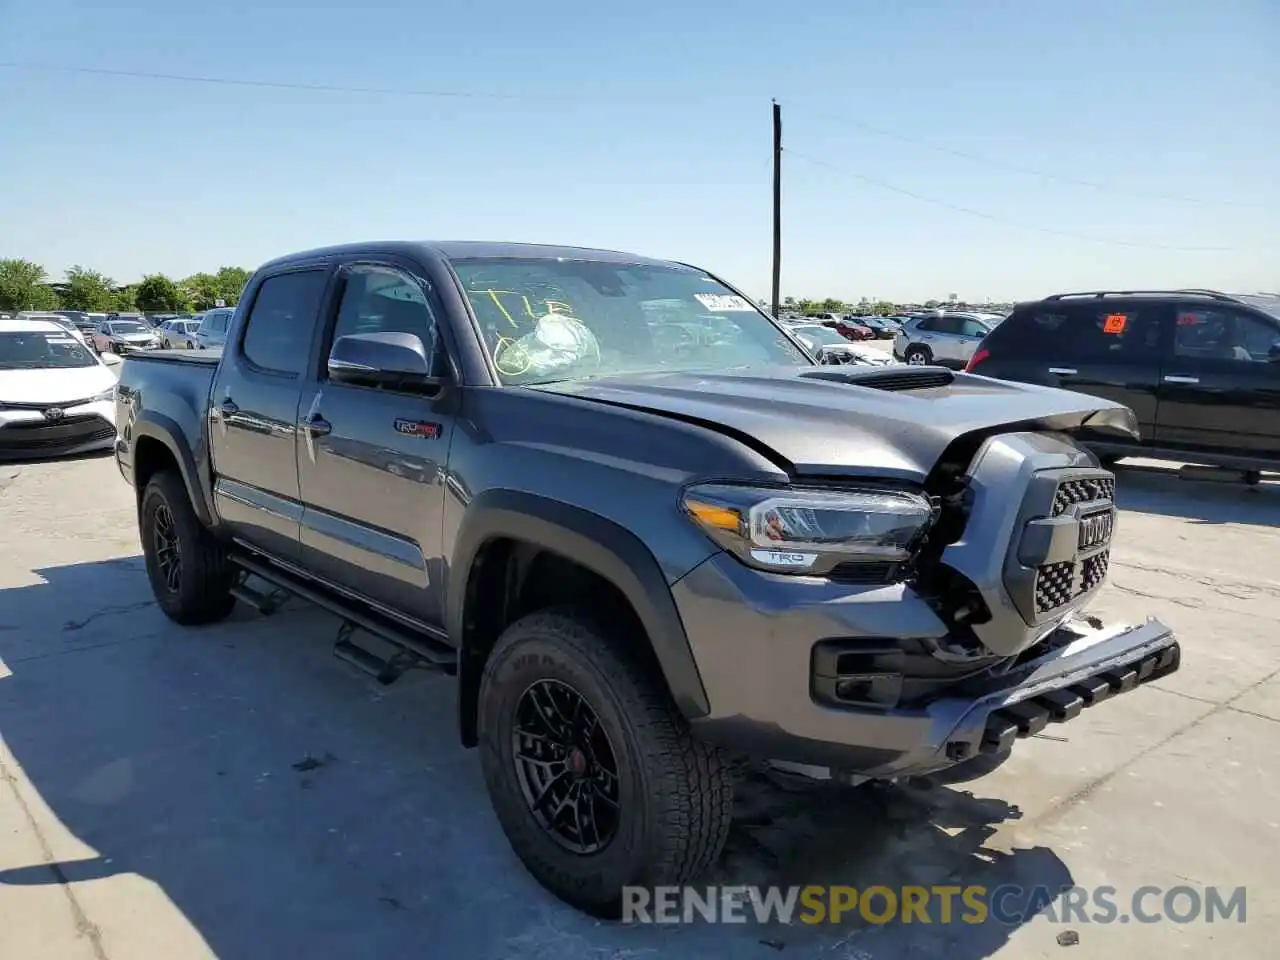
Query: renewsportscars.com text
point(1009, 904)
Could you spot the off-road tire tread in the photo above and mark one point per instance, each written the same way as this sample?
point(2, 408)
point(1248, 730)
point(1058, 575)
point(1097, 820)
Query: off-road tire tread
point(693, 777)
point(204, 560)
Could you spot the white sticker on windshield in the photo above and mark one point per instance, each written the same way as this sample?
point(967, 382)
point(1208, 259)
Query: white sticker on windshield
point(723, 303)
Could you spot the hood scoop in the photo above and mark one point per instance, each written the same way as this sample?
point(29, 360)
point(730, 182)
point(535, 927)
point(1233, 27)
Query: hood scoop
point(893, 379)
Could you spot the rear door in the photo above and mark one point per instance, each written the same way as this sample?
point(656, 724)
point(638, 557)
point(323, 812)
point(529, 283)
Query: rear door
point(1101, 347)
point(371, 461)
point(1220, 383)
point(254, 410)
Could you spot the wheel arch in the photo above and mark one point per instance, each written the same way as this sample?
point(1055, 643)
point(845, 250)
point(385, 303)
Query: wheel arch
point(602, 547)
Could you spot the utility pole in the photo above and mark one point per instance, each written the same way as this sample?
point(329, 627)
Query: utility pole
point(777, 206)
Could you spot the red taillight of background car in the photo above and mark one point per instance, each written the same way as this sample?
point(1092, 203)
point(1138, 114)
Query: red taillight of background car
point(978, 356)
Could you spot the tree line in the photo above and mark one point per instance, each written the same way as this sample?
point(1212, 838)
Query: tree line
point(863, 308)
point(25, 285)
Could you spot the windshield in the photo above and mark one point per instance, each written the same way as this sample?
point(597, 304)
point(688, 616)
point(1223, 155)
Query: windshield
point(126, 326)
point(41, 349)
point(545, 320)
point(822, 335)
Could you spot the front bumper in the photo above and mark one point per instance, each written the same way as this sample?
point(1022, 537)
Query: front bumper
point(81, 429)
point(122, 349)
point(758, 662)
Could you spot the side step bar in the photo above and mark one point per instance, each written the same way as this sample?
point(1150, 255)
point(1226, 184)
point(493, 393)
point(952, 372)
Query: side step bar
point(414, 649)
point(1029, 717)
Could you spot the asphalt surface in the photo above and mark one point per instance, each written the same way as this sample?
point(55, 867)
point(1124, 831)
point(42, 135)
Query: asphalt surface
point(236, 791)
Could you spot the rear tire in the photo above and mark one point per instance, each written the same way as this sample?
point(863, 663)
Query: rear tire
point(188, 568)
point(918, 356)
point(660, 817)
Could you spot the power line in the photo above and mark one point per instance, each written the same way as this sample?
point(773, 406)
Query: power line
point(1019, 168)
point(308, 87)
point(1001, 220)
point(271, 84)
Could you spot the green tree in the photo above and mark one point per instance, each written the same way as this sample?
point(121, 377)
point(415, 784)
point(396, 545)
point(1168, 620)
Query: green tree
point(231, 283)
point(832, 305)
point(88, 290)
point(932, 304)
point(882, 308)
point(24, 286)
point(201, 289)
point(124, 299)
point(157, 294)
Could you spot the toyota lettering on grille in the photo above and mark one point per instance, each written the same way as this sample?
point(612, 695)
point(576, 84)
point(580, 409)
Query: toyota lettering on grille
point(54, 413)
point(1095, 529)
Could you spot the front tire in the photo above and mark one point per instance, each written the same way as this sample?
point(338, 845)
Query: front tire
point(593, 773)
point(919, 356)
point(188, 568)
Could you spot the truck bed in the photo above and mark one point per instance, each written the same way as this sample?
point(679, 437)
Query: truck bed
point(204, 358)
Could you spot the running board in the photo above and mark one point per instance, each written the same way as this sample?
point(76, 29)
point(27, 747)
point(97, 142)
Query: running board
point(414, 649)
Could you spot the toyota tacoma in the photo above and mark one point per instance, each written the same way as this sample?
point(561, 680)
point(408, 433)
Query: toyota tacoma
point(648, 533)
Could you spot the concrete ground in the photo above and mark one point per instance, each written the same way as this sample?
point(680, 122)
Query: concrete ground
point(235, 791)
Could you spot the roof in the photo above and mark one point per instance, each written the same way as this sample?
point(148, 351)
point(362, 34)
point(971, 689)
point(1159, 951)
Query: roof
point(467, 249)
point(28, 326)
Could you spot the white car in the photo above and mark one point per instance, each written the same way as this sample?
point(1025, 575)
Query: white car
point(65, 323)
point(56, 396)
point(830, 347)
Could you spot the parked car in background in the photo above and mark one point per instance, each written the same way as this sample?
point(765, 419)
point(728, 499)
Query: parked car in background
point(944, 339)
point(124, 336)
point(56, 397)
point(1199, 369)
point(59, 318)
point(830, 347)
point(880, 328)
point(848, 328)
point(212, 332)
point(179, 333)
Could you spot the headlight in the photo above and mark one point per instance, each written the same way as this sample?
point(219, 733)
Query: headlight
point(108, 394)
point(809, 531)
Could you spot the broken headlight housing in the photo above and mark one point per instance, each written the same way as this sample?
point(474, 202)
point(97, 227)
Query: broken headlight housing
point(810, 531)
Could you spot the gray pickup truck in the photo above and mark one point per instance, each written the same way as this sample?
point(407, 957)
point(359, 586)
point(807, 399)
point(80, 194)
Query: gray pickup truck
point(649, 534)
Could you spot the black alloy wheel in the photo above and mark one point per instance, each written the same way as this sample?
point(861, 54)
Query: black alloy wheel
point(566, 767)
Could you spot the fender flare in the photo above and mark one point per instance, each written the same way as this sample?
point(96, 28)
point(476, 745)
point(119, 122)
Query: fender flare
point(168, 432)
point(599, 544)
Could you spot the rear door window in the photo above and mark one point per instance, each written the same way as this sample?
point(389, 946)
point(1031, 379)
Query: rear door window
point(1090, 332)
point(278, 331)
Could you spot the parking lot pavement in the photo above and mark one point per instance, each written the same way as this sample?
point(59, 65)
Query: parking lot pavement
point(235, 791)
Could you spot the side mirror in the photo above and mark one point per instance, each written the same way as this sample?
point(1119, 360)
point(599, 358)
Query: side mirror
point(382, 359)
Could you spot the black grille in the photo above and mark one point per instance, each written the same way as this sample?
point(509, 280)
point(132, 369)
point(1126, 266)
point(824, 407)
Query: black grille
point(1083, 490)
point(1094, 570)
point(38, 437)
point(868, 573)
point(1054, 583)
point(887, 378)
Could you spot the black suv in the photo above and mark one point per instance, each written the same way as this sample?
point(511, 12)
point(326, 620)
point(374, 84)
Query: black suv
point(1200, 369)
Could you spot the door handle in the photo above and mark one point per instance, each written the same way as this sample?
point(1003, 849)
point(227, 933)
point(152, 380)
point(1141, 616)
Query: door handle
point(317, 426)
point(1064, 371)
point(229, 407)
point(1181, 379)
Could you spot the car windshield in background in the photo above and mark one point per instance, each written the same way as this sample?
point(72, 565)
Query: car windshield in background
point(126, 326)
point(42, 349)
point(546, 320)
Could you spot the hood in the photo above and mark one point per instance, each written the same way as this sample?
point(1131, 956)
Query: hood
point(54, 386)
point(892, 421)
point(132, 337)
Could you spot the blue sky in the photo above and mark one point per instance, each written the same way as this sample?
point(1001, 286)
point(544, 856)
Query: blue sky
point(646, 127)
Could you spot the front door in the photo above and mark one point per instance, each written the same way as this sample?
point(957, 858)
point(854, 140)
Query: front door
point(1220, 383)
point(371, 462)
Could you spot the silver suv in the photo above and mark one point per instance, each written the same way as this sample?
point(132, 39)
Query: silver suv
point(945, 339)
point(212, 333)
